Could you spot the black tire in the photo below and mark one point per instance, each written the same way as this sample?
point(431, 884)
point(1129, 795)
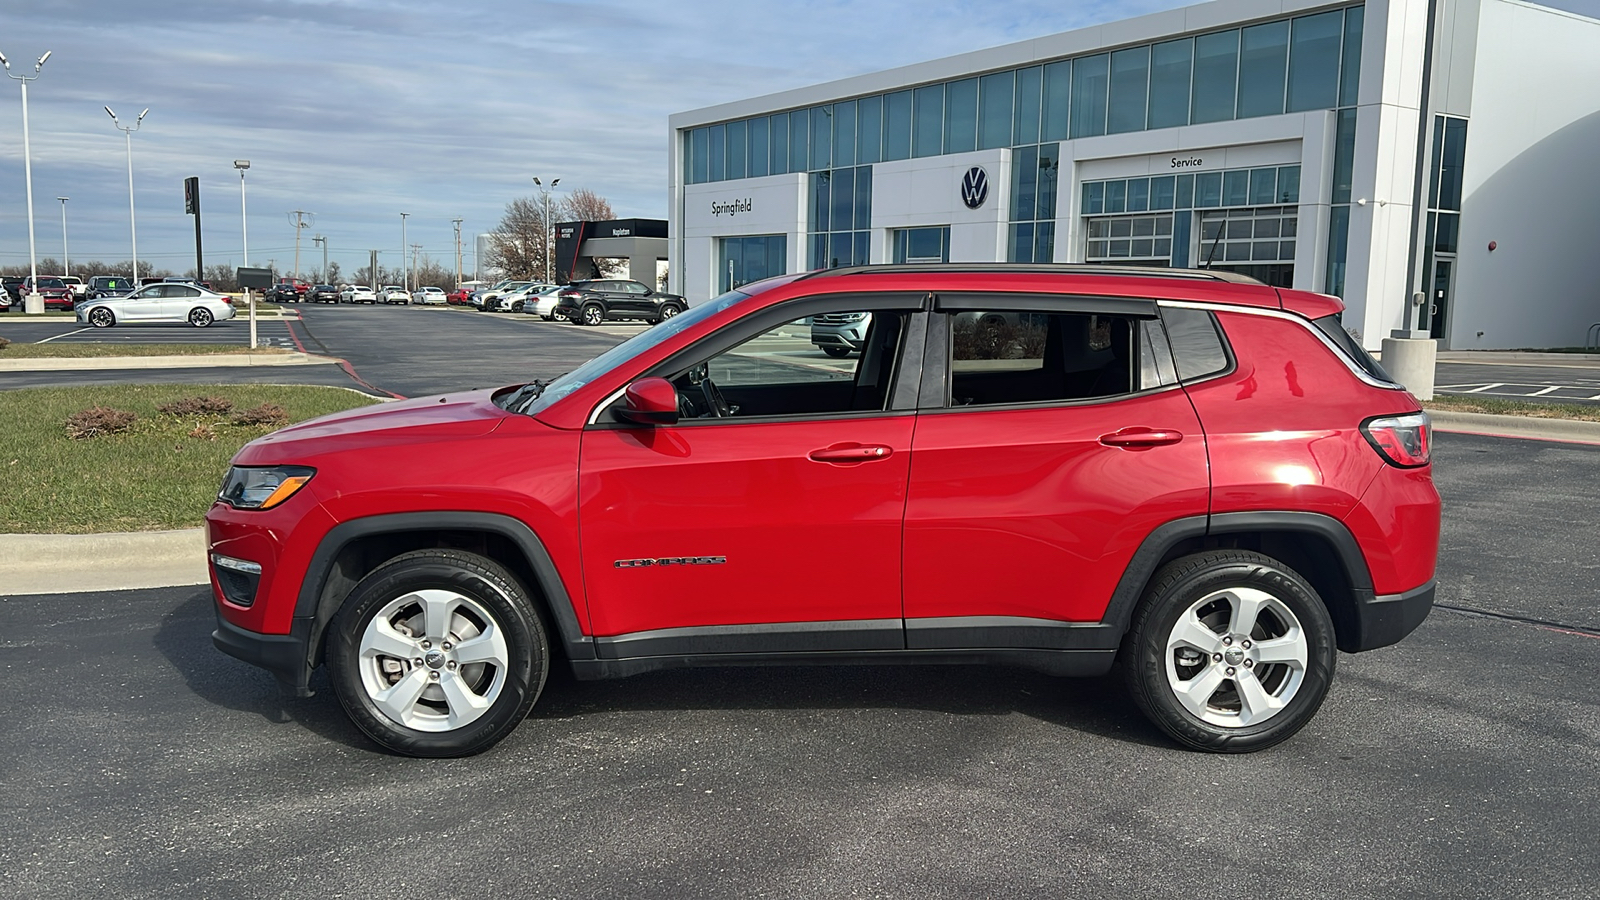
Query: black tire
point(668, 310)
point(1291, 614)
point(490, 592)
point(100, 317)
point(200, 317)
point(836, 352)
point(591, 314)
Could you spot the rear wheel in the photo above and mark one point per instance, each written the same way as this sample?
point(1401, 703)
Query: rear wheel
point(438, 653)
point(836, 352)
point(591, 314)
point(100, 317)
point(1230, 651)
point(200, 317)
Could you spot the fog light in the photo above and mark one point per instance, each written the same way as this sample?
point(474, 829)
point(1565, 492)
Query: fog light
point(238, 578)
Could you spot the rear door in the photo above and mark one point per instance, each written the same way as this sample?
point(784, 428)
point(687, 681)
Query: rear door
point(1052, 439)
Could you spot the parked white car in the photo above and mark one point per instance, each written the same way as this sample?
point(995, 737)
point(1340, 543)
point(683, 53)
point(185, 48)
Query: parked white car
point(543, 303)
point(429, 296)
point(393, 293)
point(158, 303)
point(79, 289)
point(357, 293)
point(512, 301)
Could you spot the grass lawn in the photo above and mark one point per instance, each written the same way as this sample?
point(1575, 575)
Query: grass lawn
point(1499, 407)
point(84, 351)
point(163, 473)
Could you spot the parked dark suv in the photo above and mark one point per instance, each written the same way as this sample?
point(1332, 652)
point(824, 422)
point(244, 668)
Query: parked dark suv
point(109, 286)
point(600, 300)
point(1192, 478)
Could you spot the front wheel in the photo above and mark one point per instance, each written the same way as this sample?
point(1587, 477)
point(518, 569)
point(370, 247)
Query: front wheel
point(836, 352)
point(592, 314)
point(1230, 651)
point(200, 317)
point(438, 653)
point(100, 317)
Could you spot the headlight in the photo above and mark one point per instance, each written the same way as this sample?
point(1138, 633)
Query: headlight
point(262, 488)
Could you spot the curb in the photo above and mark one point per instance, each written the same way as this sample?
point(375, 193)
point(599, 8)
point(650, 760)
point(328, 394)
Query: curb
point(1569, 430)
point(204, 361)
point(75, 563)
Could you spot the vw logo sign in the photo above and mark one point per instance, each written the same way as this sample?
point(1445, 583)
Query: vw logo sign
point(975, 187)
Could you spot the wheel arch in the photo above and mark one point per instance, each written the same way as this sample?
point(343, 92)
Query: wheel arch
point(1320, 548)
point(351, 550)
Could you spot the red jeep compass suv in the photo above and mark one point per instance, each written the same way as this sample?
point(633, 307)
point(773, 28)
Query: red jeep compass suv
point(1197, 478)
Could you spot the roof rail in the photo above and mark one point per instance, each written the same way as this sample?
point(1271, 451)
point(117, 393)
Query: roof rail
point(1034, 269)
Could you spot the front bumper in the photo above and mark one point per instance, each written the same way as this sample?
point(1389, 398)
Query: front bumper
point(1387, 618)
point(286, 656)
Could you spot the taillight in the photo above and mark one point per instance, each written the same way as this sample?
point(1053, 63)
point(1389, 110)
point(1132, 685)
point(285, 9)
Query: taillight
point(1401, 440)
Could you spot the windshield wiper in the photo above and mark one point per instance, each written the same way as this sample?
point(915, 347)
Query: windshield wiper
point(525, 395)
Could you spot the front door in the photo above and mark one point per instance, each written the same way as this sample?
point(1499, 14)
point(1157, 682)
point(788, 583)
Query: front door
point(144, 305)
point(1061, 442)
point(770, 512)
point(1439, 300)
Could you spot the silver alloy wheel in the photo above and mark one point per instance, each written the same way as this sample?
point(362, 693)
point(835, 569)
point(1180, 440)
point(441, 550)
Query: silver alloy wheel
point(433, 660)
point(1236, 657)
point(668, 311)
point(200, 317)
point(593, 315)
point(100, 317)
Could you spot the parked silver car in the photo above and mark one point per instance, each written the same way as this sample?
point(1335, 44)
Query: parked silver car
point(158, 303)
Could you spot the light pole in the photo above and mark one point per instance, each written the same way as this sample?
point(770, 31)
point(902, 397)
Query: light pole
point(549, 239)
point(403, 273)
point(300, 224)
point(133, 227)
point(244, 233)
point(319, 239)
point(66, 258)
point(34, 301)
point(457, 224)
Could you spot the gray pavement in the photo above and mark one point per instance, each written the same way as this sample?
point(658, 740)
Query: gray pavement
point(1465, 761)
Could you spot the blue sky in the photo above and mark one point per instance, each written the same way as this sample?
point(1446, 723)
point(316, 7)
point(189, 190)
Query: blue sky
point(358, 110)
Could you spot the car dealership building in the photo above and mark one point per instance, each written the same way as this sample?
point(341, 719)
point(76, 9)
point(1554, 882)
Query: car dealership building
point(1430, 161)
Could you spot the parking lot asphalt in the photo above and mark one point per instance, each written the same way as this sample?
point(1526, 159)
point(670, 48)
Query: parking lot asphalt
point(1465, 761)
point(1543, 383)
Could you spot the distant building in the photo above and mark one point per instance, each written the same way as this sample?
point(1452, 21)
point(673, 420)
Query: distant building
point(1310, 144)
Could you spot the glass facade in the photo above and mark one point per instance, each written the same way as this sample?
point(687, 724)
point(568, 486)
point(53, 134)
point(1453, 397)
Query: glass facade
point(1035, 173)
point(1441, 240)
point(1289, 65)
point(838, 217)
point(1278, 185)
point(747, 259)
point(922, 245)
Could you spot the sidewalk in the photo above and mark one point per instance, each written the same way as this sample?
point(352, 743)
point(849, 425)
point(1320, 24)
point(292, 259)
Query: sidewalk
point(187, 361)
point(1521, 358)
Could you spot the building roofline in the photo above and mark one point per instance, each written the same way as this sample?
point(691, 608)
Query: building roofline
point(1033, 269)
point(1170, 23)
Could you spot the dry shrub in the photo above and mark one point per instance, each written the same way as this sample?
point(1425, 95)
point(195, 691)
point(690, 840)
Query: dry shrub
point(203, 432)
point(997, 338)
point(197, 406)
point(4, 343)
point(265, 414)
point(97, 421)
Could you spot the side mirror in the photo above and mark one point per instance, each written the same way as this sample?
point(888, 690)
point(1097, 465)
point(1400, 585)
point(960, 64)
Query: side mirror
point(650, 401)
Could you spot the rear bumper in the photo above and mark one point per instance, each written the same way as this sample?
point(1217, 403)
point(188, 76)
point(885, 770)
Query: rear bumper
point(286, 656)
point(1387, 618)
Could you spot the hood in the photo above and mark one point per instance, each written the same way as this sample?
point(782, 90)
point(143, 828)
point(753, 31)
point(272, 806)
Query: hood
point(444, 417)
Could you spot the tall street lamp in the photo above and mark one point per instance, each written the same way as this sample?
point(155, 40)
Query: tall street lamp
point(34, 301)
point(549, 239)
point(404, 275)
point(133, 225)
point(66, 258)
point(244, 232)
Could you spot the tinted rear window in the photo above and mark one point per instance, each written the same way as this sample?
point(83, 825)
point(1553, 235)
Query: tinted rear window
point(1196, 342)
point(1333, 327)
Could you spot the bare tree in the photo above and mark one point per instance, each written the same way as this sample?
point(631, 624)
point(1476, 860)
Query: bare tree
point(584, 205)
point(518, 244)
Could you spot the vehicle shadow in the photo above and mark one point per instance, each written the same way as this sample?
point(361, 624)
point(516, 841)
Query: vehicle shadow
point(1095, 706)
point(184, 638)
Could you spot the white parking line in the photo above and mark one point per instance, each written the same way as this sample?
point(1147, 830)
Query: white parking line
point(65, 334)
point(1484, 388)
point(1541, 393)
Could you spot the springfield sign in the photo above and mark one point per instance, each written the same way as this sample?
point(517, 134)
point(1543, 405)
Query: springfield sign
point(731, 207)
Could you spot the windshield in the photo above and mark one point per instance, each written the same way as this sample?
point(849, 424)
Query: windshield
point(533, 404)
